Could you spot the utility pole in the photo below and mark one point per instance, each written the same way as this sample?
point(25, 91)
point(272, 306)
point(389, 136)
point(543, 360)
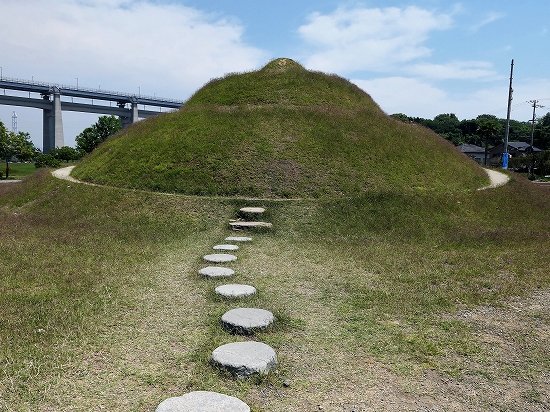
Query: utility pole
point(535, 106)
point(507, 132)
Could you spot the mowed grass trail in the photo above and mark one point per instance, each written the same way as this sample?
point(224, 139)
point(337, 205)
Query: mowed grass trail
point(103, 309)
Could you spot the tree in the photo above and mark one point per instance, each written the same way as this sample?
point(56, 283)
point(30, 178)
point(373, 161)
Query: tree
point(489, 129)
point(542, 132)
point(15, 145)
point(65, 153)
point(96, 134)
point(46, 160)
point(402, 117)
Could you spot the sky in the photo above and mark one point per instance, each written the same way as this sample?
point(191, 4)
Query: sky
point(417, 57)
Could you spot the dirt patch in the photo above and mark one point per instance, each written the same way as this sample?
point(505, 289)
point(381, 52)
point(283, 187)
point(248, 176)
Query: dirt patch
point(510, 372)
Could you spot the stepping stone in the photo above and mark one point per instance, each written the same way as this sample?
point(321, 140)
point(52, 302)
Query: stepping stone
point(225, 247)
point(244, 225)
point(238, 239)
point(220, 258)
point(203, 401)
point(235, 291)
point(216, 272)
point(252, 210)
point(243, 359)
point(244, 321)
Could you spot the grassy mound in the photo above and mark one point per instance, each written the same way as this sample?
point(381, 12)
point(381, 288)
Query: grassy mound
point(281, 131)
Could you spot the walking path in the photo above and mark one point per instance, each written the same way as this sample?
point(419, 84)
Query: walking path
point(497, 179)
point(241, 359)
point(64, 173)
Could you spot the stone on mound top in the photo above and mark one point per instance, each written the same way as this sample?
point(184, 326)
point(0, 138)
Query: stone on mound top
point(246, 225)
point(203, 401)
point(244, 321)
point(216, 272)
point(252, 210)
point(226, 247)
point(235, 291)
point(238, 239)
point(220, 258)
point(243, 359)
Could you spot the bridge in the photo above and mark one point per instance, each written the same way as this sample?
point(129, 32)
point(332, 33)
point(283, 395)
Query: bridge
point(123, 105)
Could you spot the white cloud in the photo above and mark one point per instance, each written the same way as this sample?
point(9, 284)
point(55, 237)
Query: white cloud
point(159, 48)
point(127, 43)
point(370, 39)
point(403, 95)
point(419, 98)
point(491, 17)
point(471, 70)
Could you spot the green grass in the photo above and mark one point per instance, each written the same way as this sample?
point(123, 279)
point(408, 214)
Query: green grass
point(280, 132)
point(18, 170)
point(103, 307)
point(379, 242)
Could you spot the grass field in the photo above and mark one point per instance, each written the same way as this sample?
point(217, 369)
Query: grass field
point(388, 300)
point(17, 170)
point(395, 283)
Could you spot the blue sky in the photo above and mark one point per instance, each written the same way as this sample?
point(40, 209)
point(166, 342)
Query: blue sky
point(418, 57)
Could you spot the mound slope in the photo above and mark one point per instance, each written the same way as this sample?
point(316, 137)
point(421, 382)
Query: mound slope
point(281, 131)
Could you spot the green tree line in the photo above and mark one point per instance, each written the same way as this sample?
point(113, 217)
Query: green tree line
point(471, 131)
point(18, 146)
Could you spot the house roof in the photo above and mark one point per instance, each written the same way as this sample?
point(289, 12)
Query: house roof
point(514, 147)
point(470, 148)
point(522, 146)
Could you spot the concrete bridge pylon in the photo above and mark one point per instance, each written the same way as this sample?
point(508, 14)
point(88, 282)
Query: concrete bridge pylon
point(52, 105)
point(52, 135)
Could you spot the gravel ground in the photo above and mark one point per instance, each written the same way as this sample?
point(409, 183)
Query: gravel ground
point(64, 173)
point(497, 179)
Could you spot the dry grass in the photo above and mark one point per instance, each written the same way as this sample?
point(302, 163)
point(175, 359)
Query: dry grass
point(384, 302)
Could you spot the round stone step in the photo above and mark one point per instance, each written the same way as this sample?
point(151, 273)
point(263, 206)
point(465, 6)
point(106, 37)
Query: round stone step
point(244, 321)
point(243, 359)
point(238, 239)
point(248, 225)
point(226, 247)
point(235, 290)
point(216, 272)
point(203, 401)
point(256, 210)
point(220, 258)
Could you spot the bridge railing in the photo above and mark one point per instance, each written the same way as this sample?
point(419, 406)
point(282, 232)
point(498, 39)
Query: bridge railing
point(107, 94)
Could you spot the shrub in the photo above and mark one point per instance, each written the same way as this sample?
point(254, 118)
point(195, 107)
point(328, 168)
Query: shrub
point(46, 160)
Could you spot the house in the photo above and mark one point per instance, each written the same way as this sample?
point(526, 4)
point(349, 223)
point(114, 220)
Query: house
point(515, 149)
point(475, 152)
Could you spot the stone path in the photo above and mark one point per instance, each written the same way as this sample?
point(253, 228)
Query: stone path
point(244, 359)
point(235, 290)
point(216, 272)
point(238, 239)
point(226, 247)
point(247, 224)
point(245, 321)
point(203, 401)
point(220, 258)
point(241, 359)
point(253, 210)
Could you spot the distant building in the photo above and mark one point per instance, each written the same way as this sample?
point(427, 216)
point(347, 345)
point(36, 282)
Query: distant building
point(515, 149)
point(475, 152)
